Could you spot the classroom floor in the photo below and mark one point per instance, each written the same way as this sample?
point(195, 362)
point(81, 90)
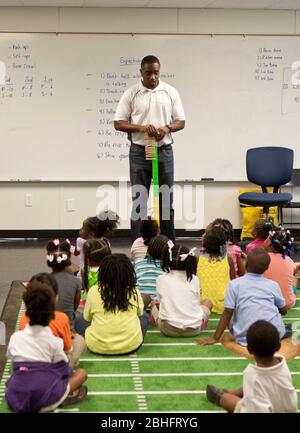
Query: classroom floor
point(165, 375)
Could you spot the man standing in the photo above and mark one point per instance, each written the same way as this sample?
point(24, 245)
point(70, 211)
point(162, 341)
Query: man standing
point(151, 108)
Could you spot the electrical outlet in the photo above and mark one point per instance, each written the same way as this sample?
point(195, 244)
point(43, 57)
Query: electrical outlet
point(70, 205)
point(28, 200)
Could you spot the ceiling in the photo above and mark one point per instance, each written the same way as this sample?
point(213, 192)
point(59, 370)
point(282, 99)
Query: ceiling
point(209, 4)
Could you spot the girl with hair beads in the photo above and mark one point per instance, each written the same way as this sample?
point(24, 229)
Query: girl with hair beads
point(42, 379)
point(113, 322)
point(58, 259)
point(94, 251)
point(180, 312)
point(260, 232)
point(282, 268)
point(74, 344)
point(215, 268)
point(97, 227)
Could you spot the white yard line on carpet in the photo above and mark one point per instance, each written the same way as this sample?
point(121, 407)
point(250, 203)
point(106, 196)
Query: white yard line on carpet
point(186, 358)
point(212, 373)
point(96, 393)
point(175, 344)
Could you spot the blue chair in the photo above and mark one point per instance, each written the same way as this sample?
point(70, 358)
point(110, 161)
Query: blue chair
point(268, 167)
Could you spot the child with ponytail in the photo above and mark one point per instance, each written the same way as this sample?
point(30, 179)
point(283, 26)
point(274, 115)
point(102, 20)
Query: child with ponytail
point(180, 312)
point(94, 251)
point(69, 286)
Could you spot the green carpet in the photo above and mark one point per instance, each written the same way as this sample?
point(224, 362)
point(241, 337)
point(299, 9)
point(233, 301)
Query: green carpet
point(165, 375)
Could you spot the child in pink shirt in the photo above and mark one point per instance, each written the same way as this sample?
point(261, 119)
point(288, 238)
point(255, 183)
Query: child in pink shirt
point(233, 250)
point(260, 232)
point(282, 268)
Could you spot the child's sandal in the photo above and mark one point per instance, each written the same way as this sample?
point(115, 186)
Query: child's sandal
point(76, 397)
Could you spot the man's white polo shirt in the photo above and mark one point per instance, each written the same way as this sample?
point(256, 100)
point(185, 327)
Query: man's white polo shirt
point(142, 106)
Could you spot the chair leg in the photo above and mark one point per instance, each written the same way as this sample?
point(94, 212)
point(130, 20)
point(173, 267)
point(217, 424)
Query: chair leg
point(266, 213)
point(280, 211)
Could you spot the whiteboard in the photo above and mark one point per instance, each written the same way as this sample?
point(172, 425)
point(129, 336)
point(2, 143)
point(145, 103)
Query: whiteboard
point(60, 93)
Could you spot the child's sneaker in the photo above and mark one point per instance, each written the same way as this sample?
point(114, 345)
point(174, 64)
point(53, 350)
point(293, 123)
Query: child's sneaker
point(288, 330)
point(214, 394)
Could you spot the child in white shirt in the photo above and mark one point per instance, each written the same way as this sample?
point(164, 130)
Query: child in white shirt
point(267, 386)
point(149, 229)
point(42, 378)
point(178, 290)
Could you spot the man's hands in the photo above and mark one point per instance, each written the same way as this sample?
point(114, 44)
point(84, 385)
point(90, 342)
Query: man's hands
point(157, 133)
point(151, 130)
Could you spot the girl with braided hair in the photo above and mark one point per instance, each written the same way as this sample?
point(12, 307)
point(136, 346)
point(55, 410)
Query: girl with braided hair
point(94, 251)
point(282, 268)
point(113, 322)
point(180, 312)
point(215, 267)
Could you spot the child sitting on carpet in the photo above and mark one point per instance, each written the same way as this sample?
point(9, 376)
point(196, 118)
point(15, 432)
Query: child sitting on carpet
point(233, 250)
point(251, 298)
point(282, 268)
point(97, 227)
point(148, 268)
point(215, 267)
point(94, 251)
point(180, 312)
point(69, 287)
point(267, 386)
point(113, 322)
point(260, 232)
point(42, 378)
point(149, 229)
point(74, 344)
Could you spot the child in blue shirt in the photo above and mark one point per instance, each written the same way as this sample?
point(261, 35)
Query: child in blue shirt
point(147, 269)
point(251, 298)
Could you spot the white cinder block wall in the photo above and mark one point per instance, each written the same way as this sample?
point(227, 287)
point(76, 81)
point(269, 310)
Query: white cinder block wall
point(49, 208)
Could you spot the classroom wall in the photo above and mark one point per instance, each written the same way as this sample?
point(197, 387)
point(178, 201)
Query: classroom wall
point(51, 206)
